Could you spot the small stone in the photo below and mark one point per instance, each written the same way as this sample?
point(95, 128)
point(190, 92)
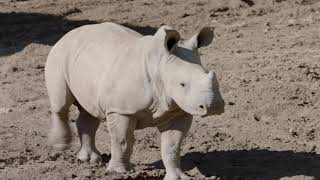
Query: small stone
point(2, 165)
point(5, 110)
point(291, 22)
point(193, 172)
point(87, 173)
point(266, 30)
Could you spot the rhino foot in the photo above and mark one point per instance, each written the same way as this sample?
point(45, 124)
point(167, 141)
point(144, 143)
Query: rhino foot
point(61, 141)
point(89, 156)
point(60, 133)
point(176, 176)
point(118, 168)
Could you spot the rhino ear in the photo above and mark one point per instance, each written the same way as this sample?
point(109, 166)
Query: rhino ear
point(169, 36)
point(203, 38)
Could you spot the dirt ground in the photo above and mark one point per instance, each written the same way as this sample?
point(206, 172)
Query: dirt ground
point(265, 53)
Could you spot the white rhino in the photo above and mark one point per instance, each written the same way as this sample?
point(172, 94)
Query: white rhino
point(134, 81)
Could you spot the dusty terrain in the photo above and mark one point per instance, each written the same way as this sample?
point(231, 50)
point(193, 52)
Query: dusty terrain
point(266, 55)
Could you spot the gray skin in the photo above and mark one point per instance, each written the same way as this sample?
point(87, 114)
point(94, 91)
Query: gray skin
point(133, 81)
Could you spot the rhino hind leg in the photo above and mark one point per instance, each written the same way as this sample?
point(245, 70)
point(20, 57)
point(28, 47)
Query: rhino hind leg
point(61, 99)
point(121, 129)
point(172, 135)
point(87, 126)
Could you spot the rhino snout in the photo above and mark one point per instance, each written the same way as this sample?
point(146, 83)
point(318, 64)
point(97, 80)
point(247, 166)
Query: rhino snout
point(202, 109)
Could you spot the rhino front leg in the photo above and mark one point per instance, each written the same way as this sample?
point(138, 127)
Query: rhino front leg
point(87, 126)
point(172, 135)
point(121, 129)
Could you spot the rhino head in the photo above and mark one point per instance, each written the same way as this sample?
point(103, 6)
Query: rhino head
point(183, 79)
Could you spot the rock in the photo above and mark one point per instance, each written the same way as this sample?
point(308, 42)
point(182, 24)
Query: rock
point(87, 173)
point(2, 165)
point(193, 172)
point(5, 110)
point(291, 22)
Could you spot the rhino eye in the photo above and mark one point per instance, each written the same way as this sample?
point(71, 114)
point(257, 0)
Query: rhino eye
point(182, 85)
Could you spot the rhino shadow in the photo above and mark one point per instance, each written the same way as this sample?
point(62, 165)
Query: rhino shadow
point(19, 29)
point(251, 164)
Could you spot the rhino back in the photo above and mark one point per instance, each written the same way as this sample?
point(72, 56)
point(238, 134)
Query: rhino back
point(104, 68)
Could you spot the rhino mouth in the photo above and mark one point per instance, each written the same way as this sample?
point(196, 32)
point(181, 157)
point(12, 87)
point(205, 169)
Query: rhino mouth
point(215, 111)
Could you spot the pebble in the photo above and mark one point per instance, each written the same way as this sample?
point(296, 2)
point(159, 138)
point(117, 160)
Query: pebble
point(2, 165)
point(193, 172)
point(291, 22)
point(88, 173)
point(4, 110)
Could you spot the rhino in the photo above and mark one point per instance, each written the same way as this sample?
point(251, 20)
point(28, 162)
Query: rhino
point(114, 74)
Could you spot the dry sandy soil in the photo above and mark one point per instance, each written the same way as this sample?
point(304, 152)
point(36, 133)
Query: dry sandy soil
point(266, 55)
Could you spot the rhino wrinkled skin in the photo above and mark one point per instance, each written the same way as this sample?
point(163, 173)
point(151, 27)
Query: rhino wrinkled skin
point(133, 81)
